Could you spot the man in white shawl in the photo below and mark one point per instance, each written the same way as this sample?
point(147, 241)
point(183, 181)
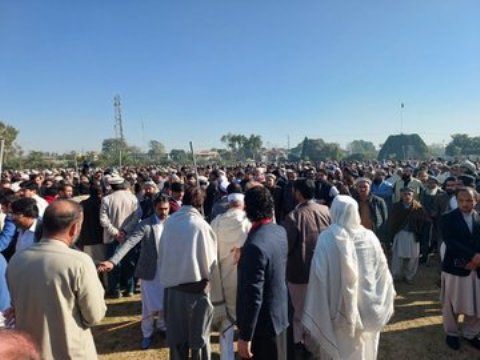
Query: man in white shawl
point(231, 230)
point(350, 294)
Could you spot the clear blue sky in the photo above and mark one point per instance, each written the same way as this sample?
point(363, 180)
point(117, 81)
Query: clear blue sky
point(194, 70)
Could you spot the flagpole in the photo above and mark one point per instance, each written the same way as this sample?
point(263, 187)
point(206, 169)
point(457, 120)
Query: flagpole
point(401, 118)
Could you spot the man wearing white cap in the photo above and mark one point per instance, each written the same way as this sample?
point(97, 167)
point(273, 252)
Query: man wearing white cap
point(119, 213)
point(231, 229)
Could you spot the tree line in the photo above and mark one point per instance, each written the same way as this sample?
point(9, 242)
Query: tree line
point(238, 148)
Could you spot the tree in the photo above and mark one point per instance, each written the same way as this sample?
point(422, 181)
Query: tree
point(316, 150)
point(462, 144)
point(242, 147)
point(157, 150)
point(362, 149)
point(9, 134)
point(180, 156)
point(402, 147)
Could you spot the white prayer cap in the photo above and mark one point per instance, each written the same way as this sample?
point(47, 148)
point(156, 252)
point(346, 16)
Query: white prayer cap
point(235, 197)
point(116, 180)
point(223, 185)
point(15, 187)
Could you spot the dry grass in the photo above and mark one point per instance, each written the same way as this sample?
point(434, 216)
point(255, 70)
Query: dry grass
point(415, 332)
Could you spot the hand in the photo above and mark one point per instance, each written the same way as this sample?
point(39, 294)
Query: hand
point(105, 266)
point(9, 315)
point(476, 260)
point(244, 349)
point(120, 237)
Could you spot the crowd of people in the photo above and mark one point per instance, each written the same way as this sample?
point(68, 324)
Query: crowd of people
point(298, 260)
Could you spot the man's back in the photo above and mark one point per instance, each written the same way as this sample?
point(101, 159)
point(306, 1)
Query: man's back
point(57, 296)
point(262, 270)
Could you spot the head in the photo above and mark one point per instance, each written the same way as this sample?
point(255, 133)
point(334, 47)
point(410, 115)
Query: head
point(467, 199)
point(407, 173)
point(178, 191)
point(379, 176)
point(149, 189)
point(161, 205)
point(363, 187)
point(270, 180)
point(407, 196)
point(423, 176)
point(344, 212)
point(236, 200)
point(194, 196)
point(66, 191)
point(304, 189)
point(432, 183)
point(450, 185)
point(28, 189)
point(62, 221)
point(16, 344)
point(24, 212)
point(291, 175)
point(96, 191)
point(258, 203)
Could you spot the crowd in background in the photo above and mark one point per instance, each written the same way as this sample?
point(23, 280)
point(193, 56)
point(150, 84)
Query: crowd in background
point(127, 210)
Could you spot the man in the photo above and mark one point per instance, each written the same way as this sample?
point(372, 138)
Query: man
point(303, 225)
point(177, 192)
point(55, 290)
point(382, 188)
point(148, 232)
point(350, 294)
point(188, 255)
point(325, 191)
point(428, 196)
point(29, 189)
point(65, 191)
point(119, 214)
point(91, 235)
point(262, 318)
point(149, 191)
point(276, 191)
point(24, 214)
point(407, 180)
point(460, 270)
point(373, 210)
point(405, 227)
point(231, 230)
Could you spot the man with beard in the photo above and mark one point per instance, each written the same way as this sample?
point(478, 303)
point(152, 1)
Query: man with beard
point(276, 192)
point(428, 196)
point(382, 188)
point(55, 290)
point(405, 225)
point(149, 191)
point(372, 209)
point(407, 180)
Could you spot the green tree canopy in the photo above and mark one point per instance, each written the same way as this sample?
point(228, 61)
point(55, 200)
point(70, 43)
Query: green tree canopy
point(462, 144)
point(316, 150)
point(361, 149)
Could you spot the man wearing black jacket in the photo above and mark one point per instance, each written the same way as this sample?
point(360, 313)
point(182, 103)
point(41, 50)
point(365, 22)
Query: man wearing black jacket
point(460, 270)
point(262, 292)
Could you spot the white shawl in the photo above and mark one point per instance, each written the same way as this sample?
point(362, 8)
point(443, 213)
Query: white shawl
point(350, 290)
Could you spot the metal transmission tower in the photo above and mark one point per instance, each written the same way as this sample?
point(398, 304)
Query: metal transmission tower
point(118, 119)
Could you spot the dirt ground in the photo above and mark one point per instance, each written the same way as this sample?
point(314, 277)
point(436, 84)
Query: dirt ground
point(415, 331)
